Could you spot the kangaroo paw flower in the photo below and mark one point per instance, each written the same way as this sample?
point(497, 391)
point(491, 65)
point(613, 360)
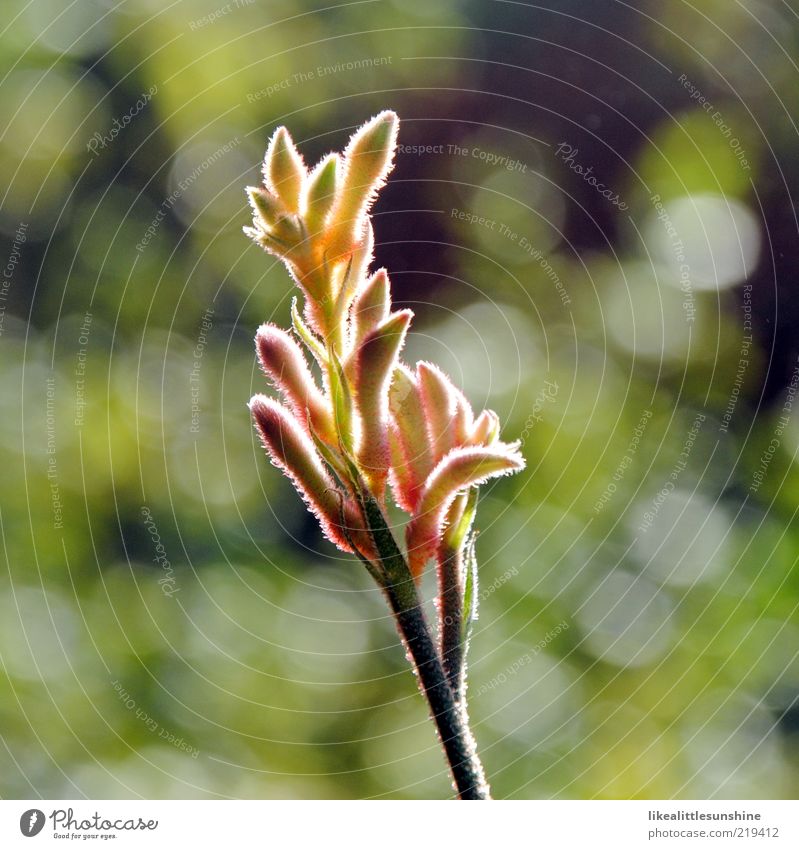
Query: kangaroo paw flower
point(373, 420)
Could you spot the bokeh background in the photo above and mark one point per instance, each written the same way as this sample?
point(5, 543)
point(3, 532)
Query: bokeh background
point(171, 622)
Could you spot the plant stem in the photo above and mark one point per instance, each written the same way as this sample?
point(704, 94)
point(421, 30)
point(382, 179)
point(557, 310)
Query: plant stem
point(451, 618)
point(450, 717)
point(447, 709)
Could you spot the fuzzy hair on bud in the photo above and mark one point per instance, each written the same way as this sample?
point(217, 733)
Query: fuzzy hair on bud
point(368, 158)
point(413, 461)
point(293, 452)
point(371, 306)
point(449, 415)
point(285, 365)
point(375, 362)
point(284, 170)
point(461, 468)
point(320, 193)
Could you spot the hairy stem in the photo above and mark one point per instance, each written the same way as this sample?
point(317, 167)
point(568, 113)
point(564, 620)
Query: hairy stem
point(451, 721)
point(451, 618)
point(449, 714)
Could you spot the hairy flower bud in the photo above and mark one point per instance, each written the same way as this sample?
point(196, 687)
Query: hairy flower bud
point(284, 363)
point(284, 170)
point(320, 193)
point(375, 362)
point(448, 413)
point(367, 160)
point(412, 458)
point(461, 468)
point(370, 307)
point(485, 430)
point(292, 451)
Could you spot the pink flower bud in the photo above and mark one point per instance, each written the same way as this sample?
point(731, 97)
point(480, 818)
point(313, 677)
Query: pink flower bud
point(412, 461)
point(461, 468)
point(485, 430)
point(370, 307)
point(449, 415)
point(292, 451)
point(375, 361)
point(284, 363)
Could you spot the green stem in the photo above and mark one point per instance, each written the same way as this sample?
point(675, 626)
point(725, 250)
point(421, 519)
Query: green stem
point(451, 618)
point(450, 719)
point(448, 713)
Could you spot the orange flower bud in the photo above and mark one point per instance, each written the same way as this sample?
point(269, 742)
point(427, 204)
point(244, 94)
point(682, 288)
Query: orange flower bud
point(375, 361)
point(284, 170)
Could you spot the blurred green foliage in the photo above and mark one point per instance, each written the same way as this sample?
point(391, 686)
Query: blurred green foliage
point(608, 661)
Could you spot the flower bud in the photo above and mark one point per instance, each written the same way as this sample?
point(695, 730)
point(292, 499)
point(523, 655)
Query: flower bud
point(367, 160)
point(485, 430)
point(293, 452)
point(284, 363)
point(284, 170)
point(413, 462)
point(461, 468)
point(449, 415)
point(375, 362)
point(371, 306)
point(320, 193)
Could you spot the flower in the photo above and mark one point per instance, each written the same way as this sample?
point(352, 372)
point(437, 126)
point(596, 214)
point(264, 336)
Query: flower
point(374, 422)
